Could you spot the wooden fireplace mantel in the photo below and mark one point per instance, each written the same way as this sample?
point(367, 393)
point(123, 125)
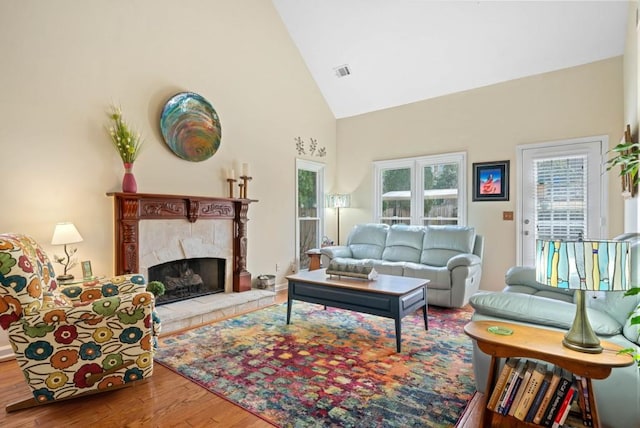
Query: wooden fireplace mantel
point(130, 208)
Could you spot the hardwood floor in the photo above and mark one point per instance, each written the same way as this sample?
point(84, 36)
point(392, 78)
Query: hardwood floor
point(164, 400)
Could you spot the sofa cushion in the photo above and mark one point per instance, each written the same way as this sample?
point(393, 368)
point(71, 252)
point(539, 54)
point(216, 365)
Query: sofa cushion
point(388, 268)
point(540, 310)
point(522, 279)
point(439, 276)
point(550, 293)
point(367, 241)
point(443, 242)
point(404, 243)
point(614, 303)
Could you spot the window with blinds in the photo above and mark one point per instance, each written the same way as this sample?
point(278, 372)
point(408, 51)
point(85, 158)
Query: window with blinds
point(561, 197)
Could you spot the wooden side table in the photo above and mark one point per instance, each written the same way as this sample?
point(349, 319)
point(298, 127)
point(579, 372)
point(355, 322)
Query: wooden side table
point(545, 345)
point(314, 259)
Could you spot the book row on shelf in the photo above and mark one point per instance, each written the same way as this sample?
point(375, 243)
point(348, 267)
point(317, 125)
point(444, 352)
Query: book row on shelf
point(540, 394)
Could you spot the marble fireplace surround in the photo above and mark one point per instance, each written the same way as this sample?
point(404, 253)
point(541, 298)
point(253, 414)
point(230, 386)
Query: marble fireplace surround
point(164, 241)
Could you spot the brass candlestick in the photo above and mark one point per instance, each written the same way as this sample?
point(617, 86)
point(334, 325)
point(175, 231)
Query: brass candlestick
point(231, 181)
point(245, 180)
point(241, 195)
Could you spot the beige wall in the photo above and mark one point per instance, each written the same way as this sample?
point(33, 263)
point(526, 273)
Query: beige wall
point(64, 62)
point(632, 104)
point(487, 123)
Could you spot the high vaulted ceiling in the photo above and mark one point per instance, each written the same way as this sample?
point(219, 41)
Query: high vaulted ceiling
point(402, 51)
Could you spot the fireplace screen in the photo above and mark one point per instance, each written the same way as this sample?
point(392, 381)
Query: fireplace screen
point(189, 278)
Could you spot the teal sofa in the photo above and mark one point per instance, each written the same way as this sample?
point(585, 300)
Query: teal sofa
point(525, 301)
point(449, 256)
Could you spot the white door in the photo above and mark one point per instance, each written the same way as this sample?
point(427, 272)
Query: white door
point(561, 189)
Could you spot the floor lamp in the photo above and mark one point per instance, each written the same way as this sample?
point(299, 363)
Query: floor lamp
point(337, 201)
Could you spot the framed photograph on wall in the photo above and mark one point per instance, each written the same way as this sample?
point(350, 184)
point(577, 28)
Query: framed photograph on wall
point(86, 270)
point(491, 181)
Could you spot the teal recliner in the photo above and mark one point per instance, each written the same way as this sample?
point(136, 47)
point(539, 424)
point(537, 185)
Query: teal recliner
point(525, 301)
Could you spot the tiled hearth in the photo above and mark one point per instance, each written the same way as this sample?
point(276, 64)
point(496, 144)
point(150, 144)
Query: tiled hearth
point(200, 310)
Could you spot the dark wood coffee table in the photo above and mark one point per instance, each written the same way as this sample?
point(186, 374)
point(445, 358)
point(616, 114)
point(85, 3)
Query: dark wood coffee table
point(388, 296)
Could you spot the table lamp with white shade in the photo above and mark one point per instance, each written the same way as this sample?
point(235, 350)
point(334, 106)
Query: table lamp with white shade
point(64, 234)
point(590, 265)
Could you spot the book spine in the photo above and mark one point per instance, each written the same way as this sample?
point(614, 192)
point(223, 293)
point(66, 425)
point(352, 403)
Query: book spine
point(530, 392)
point(585, 395)
point(538, 400)
point(547, 397)
point(556, 402)
point(507, 369)
point(522, 388)
point(509, 402)
point(561, 416)
point(506, 391)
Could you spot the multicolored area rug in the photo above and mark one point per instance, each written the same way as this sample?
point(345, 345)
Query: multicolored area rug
point(332, 368)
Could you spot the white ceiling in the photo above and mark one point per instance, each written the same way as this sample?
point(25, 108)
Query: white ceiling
point(402, 51)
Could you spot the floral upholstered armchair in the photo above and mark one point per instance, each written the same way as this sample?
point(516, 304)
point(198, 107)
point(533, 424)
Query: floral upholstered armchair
point(73, 339)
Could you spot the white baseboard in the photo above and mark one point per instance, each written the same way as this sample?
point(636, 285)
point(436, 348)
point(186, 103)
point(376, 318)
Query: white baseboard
point(6, 353)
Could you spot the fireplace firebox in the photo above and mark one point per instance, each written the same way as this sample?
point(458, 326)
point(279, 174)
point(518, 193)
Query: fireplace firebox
point(189, 278)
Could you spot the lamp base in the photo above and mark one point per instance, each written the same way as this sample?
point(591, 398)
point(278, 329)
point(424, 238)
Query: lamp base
point(67, 277)
point(589, 349)
point(581, 337)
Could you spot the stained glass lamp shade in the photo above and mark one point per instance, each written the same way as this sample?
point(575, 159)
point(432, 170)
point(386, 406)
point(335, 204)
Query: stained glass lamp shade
point(583, 266)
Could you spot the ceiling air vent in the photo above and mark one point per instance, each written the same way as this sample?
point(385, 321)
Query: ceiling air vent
point(342, 71)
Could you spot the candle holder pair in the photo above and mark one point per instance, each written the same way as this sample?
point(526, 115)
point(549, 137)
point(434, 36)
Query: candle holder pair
point(244, 185)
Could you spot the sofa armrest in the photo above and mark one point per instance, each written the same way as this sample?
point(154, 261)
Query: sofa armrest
point(128, 308)
point(103, 287)
point(463, 260)
point(521, 275)
point(336, 251)
point(539, 310)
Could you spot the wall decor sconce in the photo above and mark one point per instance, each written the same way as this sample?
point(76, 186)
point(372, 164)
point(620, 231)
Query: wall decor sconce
point(314, 150)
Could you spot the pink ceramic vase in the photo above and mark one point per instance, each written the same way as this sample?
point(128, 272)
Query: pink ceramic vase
point(129, 184)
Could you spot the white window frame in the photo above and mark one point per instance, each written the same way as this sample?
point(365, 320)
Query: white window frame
point(417, 164)
point(318, 168)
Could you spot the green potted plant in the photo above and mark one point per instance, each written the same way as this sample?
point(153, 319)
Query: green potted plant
point(128, 144)
point(156, 287)
point(626, 157)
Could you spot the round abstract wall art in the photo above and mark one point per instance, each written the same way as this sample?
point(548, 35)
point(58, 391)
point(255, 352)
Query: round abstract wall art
point(190, 127)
